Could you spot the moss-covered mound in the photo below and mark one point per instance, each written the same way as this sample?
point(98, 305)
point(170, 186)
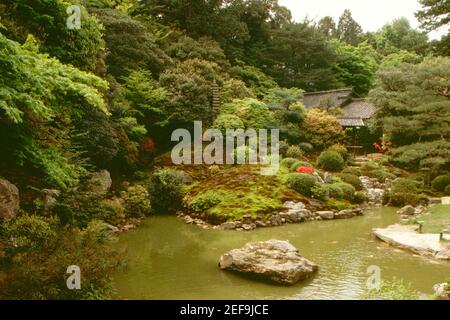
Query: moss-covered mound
point(242, 190)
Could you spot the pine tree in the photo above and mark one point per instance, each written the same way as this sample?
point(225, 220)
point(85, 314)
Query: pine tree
point(348, 29)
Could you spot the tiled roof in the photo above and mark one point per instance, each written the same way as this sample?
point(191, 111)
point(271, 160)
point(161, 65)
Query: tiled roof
point(351, 122)
point(332, 98)
point(359, 108)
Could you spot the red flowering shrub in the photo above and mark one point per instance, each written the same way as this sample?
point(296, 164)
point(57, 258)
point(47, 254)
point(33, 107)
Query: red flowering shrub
point(306, 170)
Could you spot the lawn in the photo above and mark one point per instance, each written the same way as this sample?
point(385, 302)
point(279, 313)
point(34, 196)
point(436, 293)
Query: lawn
point(437, 220)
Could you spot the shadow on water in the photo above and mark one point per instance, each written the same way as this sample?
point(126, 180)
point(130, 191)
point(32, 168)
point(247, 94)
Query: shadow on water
point(171, 260)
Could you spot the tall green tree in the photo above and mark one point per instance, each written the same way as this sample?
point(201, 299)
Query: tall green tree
point(399, 35)
point(47, 21)
point(302, 57)
point(356, 66)
point(130, 45)
point(434, 13)
point(413, 102)
point(348, 29)
point(327, 26)
point(40, 99)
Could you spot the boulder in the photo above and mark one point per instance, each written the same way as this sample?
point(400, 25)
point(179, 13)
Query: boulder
point(326, 215)
point(406, 237)
point(9, 200)
point(100, 182)
point(247, 219)
point(260, 224)
point(344, 214)
point(407, 211)
point(186, 178)
point(273, 260)
point(249, 227)
point(275, 220)
point(291, 205)
point(228, 226)
point(442, 291)
point(305, 214)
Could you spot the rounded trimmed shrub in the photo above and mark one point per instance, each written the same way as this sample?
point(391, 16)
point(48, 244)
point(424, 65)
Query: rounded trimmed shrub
point(299, 164)
point(381, 175)
point(359, 198)
point(351, 179)
point(283, 147)
point(334, 191)
point(347, 189)
point(137, 201)
point(441, 182)
point(370, 166)
point(227, 121)
point(331, 160)
point(294, 152)
point(447, 190)
point(205, 201)
point(288, 162)
point(302, 183)
point(403, 192)
point(353, 170)
point(166, 191)
point(339, 148)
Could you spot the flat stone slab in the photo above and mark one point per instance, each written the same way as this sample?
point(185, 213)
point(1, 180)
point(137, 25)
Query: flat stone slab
point(274, 260)
point(406, 237)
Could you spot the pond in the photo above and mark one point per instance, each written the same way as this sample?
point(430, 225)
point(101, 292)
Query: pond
point(171, 260)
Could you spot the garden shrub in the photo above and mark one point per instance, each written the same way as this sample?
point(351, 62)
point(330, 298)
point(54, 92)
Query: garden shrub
point(205, 201)
point(283, 148)
point(322, 129)
point(111, 211)
point(334, 191)
point(347, 189)
point(352, 170)
point(137, 201)
point(441, 182)
point(404, 192)
point(41, 260)
point(166, 191)
point(359, 198)
point(253, 113)
point(227, 121)
point(319, 192)
point(234, 89)
point(330, 160)
point(302, 183)
point(294, 152)
point(28, 233)
point(351, 179)
point(447, 190)
point(381, 175)
point(341, 149)
point(299, 164)
point(288, 162)
point(369, 166)
point(306, 147)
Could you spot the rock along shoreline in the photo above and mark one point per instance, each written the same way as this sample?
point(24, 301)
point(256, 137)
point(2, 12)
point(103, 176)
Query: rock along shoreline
point(295, 213)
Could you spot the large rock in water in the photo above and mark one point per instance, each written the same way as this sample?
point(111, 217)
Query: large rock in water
point(273, 260)
point(9, 200)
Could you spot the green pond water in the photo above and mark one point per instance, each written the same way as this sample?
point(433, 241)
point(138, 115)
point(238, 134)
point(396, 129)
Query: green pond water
point(171, 260)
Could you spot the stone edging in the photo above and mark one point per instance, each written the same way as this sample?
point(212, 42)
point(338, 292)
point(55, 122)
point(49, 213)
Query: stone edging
point(296, 213)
